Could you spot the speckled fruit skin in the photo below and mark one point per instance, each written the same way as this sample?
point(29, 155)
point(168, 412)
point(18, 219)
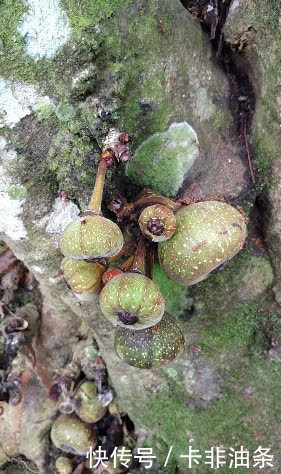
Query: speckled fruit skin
point(207, 234)
point(165, 215)
point(87, 406)
point(156, 346)
point(72, 435)
point(84, 278)
point(91, 236)
point(64, 465)
point(135, 293)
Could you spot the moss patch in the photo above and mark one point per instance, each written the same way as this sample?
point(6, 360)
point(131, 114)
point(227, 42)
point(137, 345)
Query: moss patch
point(176, 296)
point(17, 192)
point(89, 13)
point(247, 414)
point(162, 161)
point(225, 287)
point(13, 60)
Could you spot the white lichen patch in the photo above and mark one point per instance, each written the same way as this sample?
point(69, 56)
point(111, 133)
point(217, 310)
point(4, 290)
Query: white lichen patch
point(83, 76)
point(234, 5)
point(18, 100)
point(3, 143)
point(11, 207)
point(37, 269)
point(45, 28)
point(62, 214)
point(8, 154)
point(204, 106)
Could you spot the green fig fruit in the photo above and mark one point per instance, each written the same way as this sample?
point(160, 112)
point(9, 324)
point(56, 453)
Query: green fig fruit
point(64, 465)
point(156, 346)
point(91, 236)
point(207, 235)
point(87, 406)
point(84, 278)
point(157, 222)
point(132, 299)
point(72, 435)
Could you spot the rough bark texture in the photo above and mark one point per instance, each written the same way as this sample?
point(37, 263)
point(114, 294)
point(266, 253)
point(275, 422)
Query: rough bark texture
point(140, 67)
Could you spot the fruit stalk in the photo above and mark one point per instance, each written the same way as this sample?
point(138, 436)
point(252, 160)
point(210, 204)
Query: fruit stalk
point(125, 249)
point(150, 200)
point(96, 199)
point(127, 264)
point(139, 260)
point(149, 263)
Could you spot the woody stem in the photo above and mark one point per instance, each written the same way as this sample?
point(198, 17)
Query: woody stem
point(150, 261)
point(127, 264)
point(149, 201)
point(125, 249)
point(139, 260)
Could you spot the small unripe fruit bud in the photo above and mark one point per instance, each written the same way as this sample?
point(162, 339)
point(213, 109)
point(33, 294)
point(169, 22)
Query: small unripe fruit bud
point(86, 403)
point(91, 236)
point(152, 347)
point(157, 222)
point(84, 278)
point(132, 299)
point(109, 274)
point(207, 234)
point(64, 465)
point(72, 435)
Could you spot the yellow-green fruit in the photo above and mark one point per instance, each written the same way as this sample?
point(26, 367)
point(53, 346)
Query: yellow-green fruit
point(207, 234)
point(92, 236)
point(156, 346)
point(157, 222)
point(87, 406)
point(72, 435)
point(132, 300)
point(64, 465)
point(83, 277)
point(114, 409)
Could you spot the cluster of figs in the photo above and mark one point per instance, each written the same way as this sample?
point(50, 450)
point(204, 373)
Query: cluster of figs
point(193, 239)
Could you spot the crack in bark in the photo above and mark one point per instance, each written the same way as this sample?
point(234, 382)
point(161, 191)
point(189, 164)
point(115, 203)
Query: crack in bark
point(212, 15)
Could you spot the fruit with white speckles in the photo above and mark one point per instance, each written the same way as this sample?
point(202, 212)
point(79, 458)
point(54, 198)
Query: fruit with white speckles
point(132, 299)
point(72, 435)
point(157, 222)
point(64, 465)
point(152, 347)
point(84, 278)
point(91, 236)
point(207, 234)
point(86, 403)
